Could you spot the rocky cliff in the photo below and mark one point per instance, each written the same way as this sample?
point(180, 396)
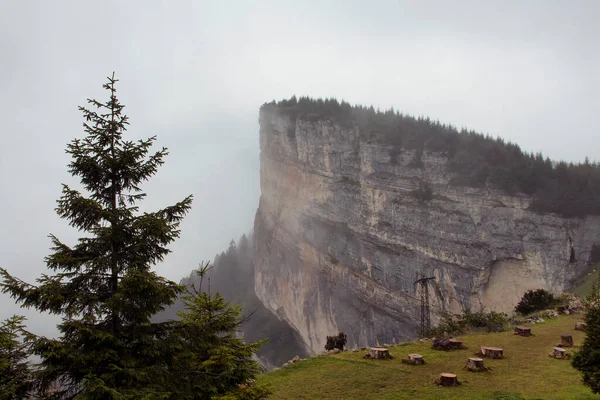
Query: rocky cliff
point(346, 225)
point(232, 275)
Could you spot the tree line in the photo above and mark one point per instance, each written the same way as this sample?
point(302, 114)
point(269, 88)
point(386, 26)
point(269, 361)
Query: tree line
point(106, 292)
point(232, 276)
point(567, 189)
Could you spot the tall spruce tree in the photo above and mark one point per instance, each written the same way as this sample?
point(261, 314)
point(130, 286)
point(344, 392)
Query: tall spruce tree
point(211, 361)
point(15, 373)
point(103, 286)
point(587, 359)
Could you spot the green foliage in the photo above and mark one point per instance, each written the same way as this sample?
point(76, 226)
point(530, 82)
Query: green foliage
point(233, 277)
point(103, 286)
point(15, 373)
point(212, 360)
point(535, 300)
point(336, 342)
point(423, 193)
point(568, 189)
point(394, 153)
point(470, 321)
point(349, 181)
point(587, 359)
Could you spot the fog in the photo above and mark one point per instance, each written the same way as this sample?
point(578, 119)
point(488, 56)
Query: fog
point(195, 73)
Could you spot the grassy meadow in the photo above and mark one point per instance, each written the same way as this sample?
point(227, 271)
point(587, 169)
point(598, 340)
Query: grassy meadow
point(526, 372)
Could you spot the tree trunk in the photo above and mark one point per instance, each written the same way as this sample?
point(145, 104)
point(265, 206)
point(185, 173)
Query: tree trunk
point(414, 359)
point(566, 340)
point(581, 326)
point(456, 344)
point(114, 272)
point(441, 344)
point(522, 331)
point(475, 365)
point(379, 353)
point(447, 379)
point(560, 354)
point(492, 352)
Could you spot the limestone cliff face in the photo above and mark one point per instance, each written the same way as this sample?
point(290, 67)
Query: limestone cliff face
point(341, 237)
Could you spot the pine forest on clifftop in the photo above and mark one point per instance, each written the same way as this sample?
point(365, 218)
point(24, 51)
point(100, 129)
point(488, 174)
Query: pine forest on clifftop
point(568, 189)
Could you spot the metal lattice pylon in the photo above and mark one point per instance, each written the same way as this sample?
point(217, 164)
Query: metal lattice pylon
point(425, 313)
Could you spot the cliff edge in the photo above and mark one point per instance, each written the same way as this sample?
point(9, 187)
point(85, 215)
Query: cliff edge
point(347, 222)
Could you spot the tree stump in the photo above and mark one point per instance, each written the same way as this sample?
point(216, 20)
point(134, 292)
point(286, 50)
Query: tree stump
point(559, 353)
point(522, 331)
point(446, 379)
point(475, 365)
point(414, 359)
point(379, 353)
point(492, 352)
point(455, 344)
point(581, 326)
point(441, 344)
point(447, 344)
point(566, 341)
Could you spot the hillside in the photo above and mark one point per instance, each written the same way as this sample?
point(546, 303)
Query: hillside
point(526, 372)
point(583, 286)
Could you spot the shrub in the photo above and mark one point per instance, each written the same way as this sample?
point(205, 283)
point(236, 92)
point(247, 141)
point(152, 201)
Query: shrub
point(587, 359)
point(423, 193)
point(460, 323)
point(336, 342)
point(535, 300)
point(394, 154)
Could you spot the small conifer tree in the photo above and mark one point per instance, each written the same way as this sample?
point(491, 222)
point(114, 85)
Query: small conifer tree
point(15, 374)
point(212, 361)
point(587, 359)
point(104, 286)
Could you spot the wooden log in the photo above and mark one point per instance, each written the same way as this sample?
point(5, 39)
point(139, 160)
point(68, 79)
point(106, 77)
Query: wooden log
point(475, 365)
point(446, 379)
point(441, 344)
point(560, 353)
point(414, 359)
point(581, 326)
point(492, 352)
point(522, 331)
point(566, 340)
point(379, 353)
point(455, 344)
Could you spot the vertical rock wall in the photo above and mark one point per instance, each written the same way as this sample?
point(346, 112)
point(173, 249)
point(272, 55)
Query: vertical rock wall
point(341, 237)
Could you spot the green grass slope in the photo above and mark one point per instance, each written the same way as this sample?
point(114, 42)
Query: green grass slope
point(526, 372)
point(583, 286)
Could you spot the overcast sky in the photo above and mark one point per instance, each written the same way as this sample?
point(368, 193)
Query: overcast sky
point(195, 73)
